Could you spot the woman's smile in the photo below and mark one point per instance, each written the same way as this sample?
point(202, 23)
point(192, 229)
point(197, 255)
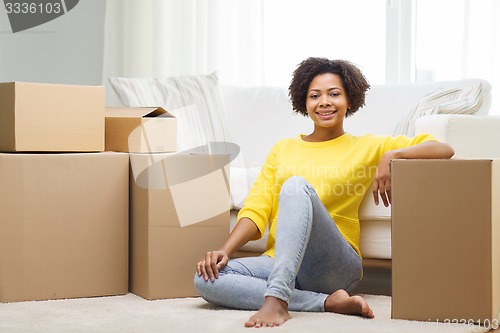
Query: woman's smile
point(326, 114)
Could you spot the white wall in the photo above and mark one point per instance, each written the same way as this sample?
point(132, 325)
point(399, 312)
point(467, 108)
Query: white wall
point(67, 50)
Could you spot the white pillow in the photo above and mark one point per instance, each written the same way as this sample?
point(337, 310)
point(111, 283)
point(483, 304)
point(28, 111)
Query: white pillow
point(449, 101)
point(195, 100)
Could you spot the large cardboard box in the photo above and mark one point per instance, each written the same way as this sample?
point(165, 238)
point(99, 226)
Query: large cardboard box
point(63, 225)
point(446, 241)
point(140, 130)
point(179, 211)
point(39, 117)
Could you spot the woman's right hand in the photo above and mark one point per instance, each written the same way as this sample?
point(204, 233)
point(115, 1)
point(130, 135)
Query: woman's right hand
point(214, 261)
point(209, 266)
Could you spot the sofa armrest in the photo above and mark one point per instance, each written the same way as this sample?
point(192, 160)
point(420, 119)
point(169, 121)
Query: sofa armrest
point(471, 136)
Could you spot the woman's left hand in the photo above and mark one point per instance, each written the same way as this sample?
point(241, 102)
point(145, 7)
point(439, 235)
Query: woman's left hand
point(382, 182)
point(424, 150)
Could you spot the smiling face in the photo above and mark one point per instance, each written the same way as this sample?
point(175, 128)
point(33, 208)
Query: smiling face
point(327, 104)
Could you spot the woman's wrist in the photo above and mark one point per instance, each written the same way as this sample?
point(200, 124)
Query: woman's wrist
point(395, 154)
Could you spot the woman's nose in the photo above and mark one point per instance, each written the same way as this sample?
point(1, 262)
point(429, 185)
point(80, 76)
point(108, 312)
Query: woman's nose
point(325, 100)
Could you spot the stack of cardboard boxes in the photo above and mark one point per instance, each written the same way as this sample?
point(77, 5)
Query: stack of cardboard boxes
point(63, 201)
point(179, 202)
point(67, 226)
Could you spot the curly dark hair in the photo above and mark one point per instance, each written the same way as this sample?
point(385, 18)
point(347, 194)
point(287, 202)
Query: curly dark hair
point(354, 82)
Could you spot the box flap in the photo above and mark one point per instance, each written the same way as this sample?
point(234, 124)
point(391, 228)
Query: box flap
point(130, 112)
point(7, 116)
point(140, 130)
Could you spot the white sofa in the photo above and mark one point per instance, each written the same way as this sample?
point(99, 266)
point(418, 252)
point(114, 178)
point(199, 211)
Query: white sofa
point(260, 116)
point(256, 117)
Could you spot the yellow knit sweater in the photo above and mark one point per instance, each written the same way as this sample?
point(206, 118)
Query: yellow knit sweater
point(340, 171)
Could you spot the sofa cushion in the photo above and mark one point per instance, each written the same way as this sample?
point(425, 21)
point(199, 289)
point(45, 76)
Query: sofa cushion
point(375, 239)
point(368, 211)
point(195, 100)
point(470, 136)
point(241, 180)
point(449, 101)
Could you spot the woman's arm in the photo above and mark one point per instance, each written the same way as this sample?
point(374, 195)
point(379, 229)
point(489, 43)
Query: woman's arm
point(424, 150)
point(244, 231)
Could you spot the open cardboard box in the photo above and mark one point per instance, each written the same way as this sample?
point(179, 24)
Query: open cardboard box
point(140, 130)
point(179, 211)
point(446, 241)
point(41, 117)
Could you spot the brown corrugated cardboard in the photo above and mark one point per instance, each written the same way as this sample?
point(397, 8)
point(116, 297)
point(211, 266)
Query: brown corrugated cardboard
point(445, 240)
point(63, 225)
point(179, 210)
point(140, 130)
point(51, 117)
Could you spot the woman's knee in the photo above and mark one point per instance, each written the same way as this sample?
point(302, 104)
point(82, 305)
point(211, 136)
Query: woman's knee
point(294, 185)
point(199, 283)
point(204, 288)
point(215, 292)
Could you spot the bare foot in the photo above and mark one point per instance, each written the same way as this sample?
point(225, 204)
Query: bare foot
point(341, 302)
point(273, 312)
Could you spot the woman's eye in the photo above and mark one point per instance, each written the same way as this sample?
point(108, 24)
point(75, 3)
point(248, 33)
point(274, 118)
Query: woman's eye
point(334, 94)
point(314, 96)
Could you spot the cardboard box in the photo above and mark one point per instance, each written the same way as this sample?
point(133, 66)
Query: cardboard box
point(446, 240)
point(140, 130)
point(63, 225)
point(179, 211)
point(50, 117)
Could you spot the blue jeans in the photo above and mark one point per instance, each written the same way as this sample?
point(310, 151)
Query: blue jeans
point(312, 260)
